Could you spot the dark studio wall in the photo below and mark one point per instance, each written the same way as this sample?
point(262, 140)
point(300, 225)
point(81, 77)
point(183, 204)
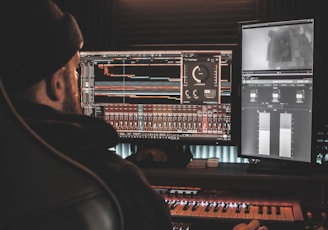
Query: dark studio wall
point(179, 22)
point(136, 24)
point(118, 24)
point(95, 21)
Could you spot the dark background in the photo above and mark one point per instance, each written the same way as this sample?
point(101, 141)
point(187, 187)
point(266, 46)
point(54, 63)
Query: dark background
point(117, 24)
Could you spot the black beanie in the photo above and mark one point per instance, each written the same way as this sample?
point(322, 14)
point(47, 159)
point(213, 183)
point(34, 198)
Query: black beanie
point(38, 39)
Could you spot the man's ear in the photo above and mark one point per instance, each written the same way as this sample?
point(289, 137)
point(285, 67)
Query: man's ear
point(56, 85)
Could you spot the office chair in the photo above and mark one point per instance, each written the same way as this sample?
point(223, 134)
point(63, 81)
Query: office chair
point(42, 189)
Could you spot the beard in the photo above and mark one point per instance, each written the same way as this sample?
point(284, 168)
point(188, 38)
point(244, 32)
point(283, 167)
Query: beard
point(71, 103)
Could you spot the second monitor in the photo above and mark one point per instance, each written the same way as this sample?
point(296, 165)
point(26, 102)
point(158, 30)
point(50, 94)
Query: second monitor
point(277, 91)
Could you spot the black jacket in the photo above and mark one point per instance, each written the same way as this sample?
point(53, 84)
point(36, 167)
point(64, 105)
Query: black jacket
point(87, 140)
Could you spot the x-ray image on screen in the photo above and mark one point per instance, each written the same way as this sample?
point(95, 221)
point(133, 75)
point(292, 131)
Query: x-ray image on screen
point(287, 46)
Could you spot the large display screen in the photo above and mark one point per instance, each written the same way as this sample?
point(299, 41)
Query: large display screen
point(176, 95)
point(277, 90)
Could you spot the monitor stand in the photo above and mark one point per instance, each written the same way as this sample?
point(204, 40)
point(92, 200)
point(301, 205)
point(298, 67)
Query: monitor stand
point(280, 167)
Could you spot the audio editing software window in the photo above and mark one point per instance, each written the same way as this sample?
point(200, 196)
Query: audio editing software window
point(279, 114)
point(172, 95)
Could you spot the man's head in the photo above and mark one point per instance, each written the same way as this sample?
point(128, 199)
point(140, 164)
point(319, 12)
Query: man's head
point(41, 45)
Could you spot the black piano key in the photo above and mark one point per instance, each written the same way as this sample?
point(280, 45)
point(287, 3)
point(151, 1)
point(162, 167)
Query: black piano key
point(186, 206)
point(216, 208)
point(260, 209)
point(247, 208)
point(269, 212)
point(195, 207)
point(208, 207)
point(225, 207)
point(278, 210)
point(238, 208)
point(174, 205)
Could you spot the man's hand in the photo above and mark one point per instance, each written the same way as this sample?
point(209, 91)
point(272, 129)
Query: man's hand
point(252, 225)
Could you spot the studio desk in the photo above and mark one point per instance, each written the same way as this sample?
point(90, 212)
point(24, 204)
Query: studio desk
point(219, 198)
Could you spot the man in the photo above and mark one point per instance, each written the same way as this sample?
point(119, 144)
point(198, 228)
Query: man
point(42, 54)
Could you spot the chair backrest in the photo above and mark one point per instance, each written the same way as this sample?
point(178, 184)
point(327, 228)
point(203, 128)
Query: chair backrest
point(43, 189)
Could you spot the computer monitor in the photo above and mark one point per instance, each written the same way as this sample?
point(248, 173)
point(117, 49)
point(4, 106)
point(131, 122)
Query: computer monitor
point(276, 92)
point(161, 97)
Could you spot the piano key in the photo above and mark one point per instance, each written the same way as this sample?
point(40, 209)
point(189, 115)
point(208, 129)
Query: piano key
point(205, 209)
point(216, 211)
point(265, 213)
point(174, 204)
point(208, 206)
point(241, 214)
point(195, 209)
point(188, 209)
point(235, 212)
point(288, 213)
point(249, 212)
point(178, 210)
